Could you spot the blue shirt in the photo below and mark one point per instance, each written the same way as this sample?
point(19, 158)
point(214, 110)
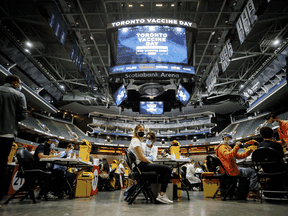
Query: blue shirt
point(59, 167)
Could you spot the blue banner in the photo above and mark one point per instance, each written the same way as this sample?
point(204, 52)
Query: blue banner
point(58, 24)
point(88, 76)
point(63, 34)
point(53, 16)
point(73, 50)
point(80, 63)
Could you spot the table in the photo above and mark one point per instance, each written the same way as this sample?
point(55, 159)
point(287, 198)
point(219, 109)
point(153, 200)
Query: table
point(175, 163)
point(68, 162)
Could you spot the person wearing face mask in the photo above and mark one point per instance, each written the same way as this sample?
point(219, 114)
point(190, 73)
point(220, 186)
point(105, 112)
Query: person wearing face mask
point(227, 155)
point(58, 183)
point(150, 151)
point(145, 165)
point(43, 151)
point(13, 109)
point(282, 129)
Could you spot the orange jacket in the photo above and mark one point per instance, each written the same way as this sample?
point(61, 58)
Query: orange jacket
point(283, 134)
point(226, 155)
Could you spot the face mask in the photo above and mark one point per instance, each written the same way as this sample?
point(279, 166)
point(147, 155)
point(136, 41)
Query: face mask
point(275, 123)
point(20, 88)
point(141, 134)
point(70, 151)
point(52, 146)
point(148, 142)
point(231, 141)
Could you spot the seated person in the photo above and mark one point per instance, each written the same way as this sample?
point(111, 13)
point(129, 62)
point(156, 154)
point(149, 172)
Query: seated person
point(146, 165)
point(267, 134)
point(226, 155)
point(62, 170)
point(150, 151)
point(104, 180)
point(282, 129)
point(190, 173)
point(43, 151)
point(105, 169)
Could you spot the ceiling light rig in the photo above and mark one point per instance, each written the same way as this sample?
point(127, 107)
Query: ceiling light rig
point(276, 41)
point(29, 44)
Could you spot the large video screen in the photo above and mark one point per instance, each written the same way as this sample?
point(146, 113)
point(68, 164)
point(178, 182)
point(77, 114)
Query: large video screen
point(151, 107)
point(120, 95)
point(183, 95)
point(150, 44)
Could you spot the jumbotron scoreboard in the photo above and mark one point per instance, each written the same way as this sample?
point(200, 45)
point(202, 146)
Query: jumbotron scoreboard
point(151, 63)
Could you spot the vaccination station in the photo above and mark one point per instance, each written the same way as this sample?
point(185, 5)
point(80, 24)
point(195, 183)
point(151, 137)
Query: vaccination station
point(143, 107)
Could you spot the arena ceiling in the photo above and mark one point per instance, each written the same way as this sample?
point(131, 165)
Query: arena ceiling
point(28, 20)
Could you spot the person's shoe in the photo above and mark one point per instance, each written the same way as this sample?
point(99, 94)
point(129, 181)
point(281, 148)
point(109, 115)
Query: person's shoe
point(50, 196)
point(253, 195)
point(164, 199)
point(195, 189)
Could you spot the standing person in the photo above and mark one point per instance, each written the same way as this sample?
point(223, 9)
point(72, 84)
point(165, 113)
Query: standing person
point(146, 165)
point(226, 155)
point(283, 127)
point(13, 109)
point(150, 151)
point(121, 170)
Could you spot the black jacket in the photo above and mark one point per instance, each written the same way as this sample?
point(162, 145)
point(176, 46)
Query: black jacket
point(13, 109)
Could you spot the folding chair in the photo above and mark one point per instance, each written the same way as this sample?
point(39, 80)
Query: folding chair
point(227, 183)
point(274, 177)
point(142, 179)
point(32, 176)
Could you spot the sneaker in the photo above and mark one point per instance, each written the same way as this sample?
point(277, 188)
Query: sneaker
point(164, 199)
point(195, 189)
point(50, 196)
point(253, 195)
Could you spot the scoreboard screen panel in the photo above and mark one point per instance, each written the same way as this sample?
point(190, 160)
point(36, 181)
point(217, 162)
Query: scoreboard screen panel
point(151, 44)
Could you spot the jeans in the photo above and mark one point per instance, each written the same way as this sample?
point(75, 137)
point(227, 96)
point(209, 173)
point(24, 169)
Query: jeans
point(5, 148)
point(162, 170)
point(252, 175)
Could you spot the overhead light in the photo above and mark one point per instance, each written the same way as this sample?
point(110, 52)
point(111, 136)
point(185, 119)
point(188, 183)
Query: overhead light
point(62, 86)
point(276, 42)
point(241, 86)
point(91, 37)
point(213, 33)
point(159, 5)
point(29, 44)
point(130, 5)
point(26, 50)
point(172, 5)
point(141, 5)
point(226, 21)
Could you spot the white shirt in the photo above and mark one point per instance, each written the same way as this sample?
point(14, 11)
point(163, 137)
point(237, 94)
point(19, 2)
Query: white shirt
point(150, 151)
point(120, 167)
point(133, 144)
point(190, 174)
